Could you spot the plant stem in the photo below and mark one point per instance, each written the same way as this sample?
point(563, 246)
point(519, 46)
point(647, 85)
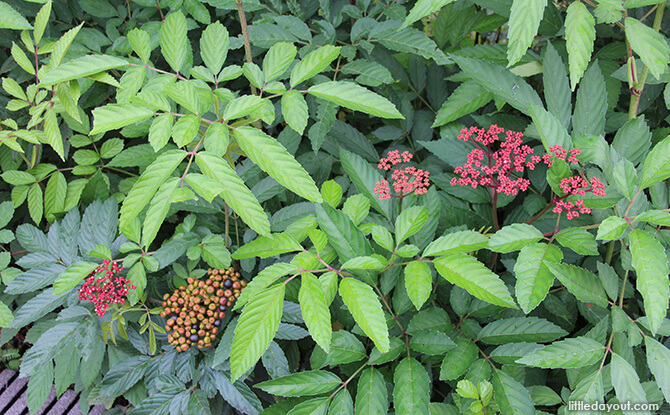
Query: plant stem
point(494, 209)
point(637, 88)
point(245, 36)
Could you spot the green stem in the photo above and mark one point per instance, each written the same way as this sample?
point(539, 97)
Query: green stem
point(638, 86)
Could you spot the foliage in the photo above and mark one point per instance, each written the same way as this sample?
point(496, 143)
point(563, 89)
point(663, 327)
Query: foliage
point(520, 262)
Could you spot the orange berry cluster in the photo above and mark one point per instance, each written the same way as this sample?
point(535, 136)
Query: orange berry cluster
point(194, 312)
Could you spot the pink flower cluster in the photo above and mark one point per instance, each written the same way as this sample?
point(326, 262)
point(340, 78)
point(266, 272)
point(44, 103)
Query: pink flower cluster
point(502, 169)
point(577, 186)
point(103, 287)
point(405, 180)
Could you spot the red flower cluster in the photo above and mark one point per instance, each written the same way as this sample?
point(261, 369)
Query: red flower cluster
point(406, 180)
point(493, 168)
point(103, 287)
point(577, 185)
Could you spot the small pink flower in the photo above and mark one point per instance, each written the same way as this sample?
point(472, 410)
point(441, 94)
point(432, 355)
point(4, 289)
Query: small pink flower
point(405, 180)
point(103, 287)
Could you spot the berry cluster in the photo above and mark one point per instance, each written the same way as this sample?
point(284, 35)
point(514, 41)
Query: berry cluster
point(194, 312)
point(406, 180)
point(103, 287)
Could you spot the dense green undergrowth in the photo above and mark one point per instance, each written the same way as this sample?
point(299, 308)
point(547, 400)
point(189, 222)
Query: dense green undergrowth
point(440, 207)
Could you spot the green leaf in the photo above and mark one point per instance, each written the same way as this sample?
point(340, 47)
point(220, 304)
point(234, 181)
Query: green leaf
point(74, 274)
point(11, 19)
point(262, 280)
point(583, 284)
point(277, 60)
point(649, 44)
point(411, 389)
point(331, 192)
point(514, 237)
point(185, 130)
point(611, 228)
point(267, 246)
point(658, 359)
point(383, 237)
point(214, 46)
point(6, 316)
point(656, 165)
point(368, 73)
point(35, 203)
point(418, 282)
point(140, 41)
point(342, 403)
point(579, 240)
point(122, 377)
point(147, 185)
point(431, 342)
point(255, 329)
point(651, 265)
point(81, 67)
point(47, 346)
point(371, 395)
point(347, 240)
point(158, 210)
point(501, 82)
point(626, 382)
point(533, 278)
point(566, 354)
point(458, 359)
point(509, 353)
point(268, 154)
point(39, 387)
point(174, 42)
point(344, 348)
point(242, 106)
point(520, 329)
point(409, 222)
point(423, 8)
point(312, 64)
point(363, 262)
point(591, 104)
point(580, 33)
point(294, 110)
point(18, 178)
point(311, 382)
point(365, 177)
point(355, 97)
point(235, 193)
point(63, 44)
point(512, 397)
point(551, 131)
point(52, 132)
point(315, 406)
point(589, 389)
point(315, 310)
point(524, 20)
point(473, 276)
point(115, 116)
point(557, 90)
point(160, 131)
point(462, 241)
point(467, 98)
point(633, 140)
point(407, 40)
point(364, 305)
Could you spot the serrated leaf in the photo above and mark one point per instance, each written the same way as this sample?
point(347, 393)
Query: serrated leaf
point(467, 98)
point(147, 185)
point(626, 382)
point(656, 164)
point(409, 222)
point(411, 389)
point(6, 316)
point(611, 228)
point(512, 397)
point(418, 282)
point(235, 193)
point(72, 276)
point(158, 210)
point(520, 329)
point(277, 60)
point(214, 44)
point(267, 246)
point(174, 41)
point(651, 265)
point(431, 342)
point(651, 45)
point(423, 8)
point(355, 97)
point(11, 19)
point(81, 68)
point(35, 203)
point(294, 110)
point(566, 354)
point(262, 280)
point(550, 129)
point(458, 359)
point(658, 358)
point(371, 395)
point(524, 20)
point(591, 104)
point(315, 310)
point(589, 389)
point(473, 276)
point(514, 237)
point(363, 262)
point(462, 241)
point(160, 131)
point(268, 154)
point(52, 133)
point(256, 329)
point(583, 284)
point(122, 377)
point(140, 41)
point(580, 33)
point(242, 106)
point(311, 382)
point(364, 178)
point(579, 240)
point(364, 305)
point(116, 116)
point(557, 90)
point(313, 63)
